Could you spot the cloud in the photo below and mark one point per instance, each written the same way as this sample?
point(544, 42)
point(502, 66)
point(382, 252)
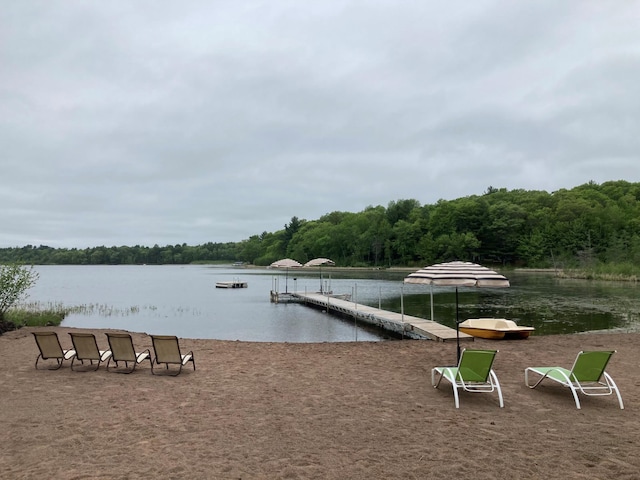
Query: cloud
point(128, 123)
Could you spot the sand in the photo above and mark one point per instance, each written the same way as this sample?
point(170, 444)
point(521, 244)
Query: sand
point(319, 411)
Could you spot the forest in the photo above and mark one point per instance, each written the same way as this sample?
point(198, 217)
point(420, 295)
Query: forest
point(592, 224)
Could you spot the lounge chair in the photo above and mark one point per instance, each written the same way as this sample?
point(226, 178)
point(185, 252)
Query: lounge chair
point(473, 374)
point(587, 376)
point(86, 348)
point(50, 348)
point(167, 351)
point(122, 350)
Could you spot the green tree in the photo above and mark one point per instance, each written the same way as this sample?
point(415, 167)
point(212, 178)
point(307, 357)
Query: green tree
point(405, 241)
point(15, 280)
point(400, 210)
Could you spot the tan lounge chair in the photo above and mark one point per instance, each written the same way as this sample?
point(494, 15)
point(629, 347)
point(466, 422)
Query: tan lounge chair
point(167, 350)
point(122, 350)
point(86, 348)
point(50, 348)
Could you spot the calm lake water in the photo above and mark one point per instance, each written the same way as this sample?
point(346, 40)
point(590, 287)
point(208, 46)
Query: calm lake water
point(183, 301)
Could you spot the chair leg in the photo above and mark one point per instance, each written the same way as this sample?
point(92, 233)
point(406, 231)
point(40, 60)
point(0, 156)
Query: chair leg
point(454, 383)
point(497, 386)
point(575, 395)
point(615, 388)
point(171, 374)
point(82, 361)
point(455, 395)
point(166, 368)
point(526, 379)
point(126, 366)
point(57, 367)
point(434, 371)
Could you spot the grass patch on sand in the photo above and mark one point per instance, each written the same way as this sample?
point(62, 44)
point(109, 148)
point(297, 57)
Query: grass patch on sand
point(21, 317)
point(16, 318)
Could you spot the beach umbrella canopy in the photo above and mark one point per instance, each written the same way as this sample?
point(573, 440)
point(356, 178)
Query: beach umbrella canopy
point(286, 263)
point(458, 274)
point(319, 262)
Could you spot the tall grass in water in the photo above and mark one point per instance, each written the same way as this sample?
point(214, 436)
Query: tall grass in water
point(37, 314)
point(626, 272)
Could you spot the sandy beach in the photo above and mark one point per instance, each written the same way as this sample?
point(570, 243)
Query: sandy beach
point(317, 411)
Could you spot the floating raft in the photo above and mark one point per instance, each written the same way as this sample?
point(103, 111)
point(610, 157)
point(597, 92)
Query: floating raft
point(231, 284)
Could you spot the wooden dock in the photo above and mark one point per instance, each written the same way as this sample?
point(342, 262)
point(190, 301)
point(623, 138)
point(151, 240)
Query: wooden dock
point(403, 325)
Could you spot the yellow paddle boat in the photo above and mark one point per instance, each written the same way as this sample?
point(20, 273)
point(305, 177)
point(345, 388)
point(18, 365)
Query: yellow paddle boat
point(494, 328)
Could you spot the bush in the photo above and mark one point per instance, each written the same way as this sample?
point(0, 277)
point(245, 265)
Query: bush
point(7, 326)
point(18, 318)
point(15, 280)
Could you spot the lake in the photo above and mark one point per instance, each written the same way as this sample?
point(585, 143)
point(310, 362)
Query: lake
point(182, 300)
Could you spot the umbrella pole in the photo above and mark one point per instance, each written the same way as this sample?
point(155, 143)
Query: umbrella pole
point(432, 302)
point(457, 330)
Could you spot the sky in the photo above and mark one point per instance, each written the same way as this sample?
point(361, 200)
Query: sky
point(162, 122)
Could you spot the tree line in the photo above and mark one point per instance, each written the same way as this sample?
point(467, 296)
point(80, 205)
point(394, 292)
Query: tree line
point(569, 228)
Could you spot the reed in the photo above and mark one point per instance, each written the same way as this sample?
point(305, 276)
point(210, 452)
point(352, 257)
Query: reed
point(37, 314)
point(620, 272)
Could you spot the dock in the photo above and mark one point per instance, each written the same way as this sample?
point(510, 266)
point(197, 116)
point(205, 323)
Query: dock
point(401, 325)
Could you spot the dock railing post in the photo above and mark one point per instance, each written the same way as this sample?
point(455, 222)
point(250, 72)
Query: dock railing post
point(402, 308)
point(356, 297)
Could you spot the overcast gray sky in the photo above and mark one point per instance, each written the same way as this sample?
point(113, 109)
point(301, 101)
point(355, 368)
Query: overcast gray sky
point(151, 121)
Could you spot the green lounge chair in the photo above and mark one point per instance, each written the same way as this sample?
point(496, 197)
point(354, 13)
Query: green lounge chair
point(122, 350)
point(473, 374)
point(50, 348)
point(587, 376)
point(86, 348)
point(167, 350)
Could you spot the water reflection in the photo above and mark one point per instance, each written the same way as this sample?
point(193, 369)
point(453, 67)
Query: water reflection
point(182, 300)
point(549, 304)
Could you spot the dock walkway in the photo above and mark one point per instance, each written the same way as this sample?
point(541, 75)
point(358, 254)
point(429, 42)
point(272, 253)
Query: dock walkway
point(408, 326)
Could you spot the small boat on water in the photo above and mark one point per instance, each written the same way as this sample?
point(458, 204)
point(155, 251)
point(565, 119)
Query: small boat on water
point(232, 284)
point(495, 328)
